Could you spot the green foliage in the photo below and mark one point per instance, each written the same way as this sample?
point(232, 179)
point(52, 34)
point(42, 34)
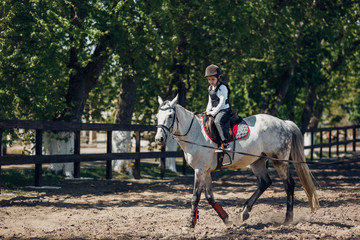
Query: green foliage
point(31, 69)
point(272, 52)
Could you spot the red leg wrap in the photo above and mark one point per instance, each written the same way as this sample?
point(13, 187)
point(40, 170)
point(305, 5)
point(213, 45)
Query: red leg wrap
point(220, 211)
point(195, 217)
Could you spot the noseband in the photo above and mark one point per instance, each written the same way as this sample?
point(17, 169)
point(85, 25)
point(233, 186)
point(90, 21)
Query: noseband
point(171, 128)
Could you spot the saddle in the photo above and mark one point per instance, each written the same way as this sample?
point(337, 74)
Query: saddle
point(238, 128)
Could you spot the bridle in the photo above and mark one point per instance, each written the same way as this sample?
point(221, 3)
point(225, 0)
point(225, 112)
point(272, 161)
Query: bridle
point(171, 128)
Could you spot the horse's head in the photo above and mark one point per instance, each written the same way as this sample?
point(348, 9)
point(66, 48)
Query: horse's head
point(166, 120)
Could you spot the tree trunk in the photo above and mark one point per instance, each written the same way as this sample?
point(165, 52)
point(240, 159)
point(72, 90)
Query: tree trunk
point(125, 109)
point(178, 72)
point(280, 93)
point(81, 83)
point(60, 143)
point(126, 101)
point(308, 108)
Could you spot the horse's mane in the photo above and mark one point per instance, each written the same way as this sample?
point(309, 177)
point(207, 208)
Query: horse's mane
point(193, 113)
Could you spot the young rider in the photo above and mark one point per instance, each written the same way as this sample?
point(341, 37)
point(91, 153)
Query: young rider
point(218, 105)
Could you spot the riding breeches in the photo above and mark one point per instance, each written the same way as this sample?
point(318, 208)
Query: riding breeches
point(222, 124)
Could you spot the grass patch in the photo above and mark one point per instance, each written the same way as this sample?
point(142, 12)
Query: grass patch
point(18, 179)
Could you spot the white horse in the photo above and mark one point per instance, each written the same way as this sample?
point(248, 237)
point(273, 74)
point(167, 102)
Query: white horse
point(269, 138)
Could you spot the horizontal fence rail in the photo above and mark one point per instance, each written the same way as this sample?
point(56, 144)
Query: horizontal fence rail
point(71, 126)
point(22, 159)
point(321, 138)
point(38, 159)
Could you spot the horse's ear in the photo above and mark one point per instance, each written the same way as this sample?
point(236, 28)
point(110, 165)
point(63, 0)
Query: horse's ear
point(160, 100)
point(172, 103)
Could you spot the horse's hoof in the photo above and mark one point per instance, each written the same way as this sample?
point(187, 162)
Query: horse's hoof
point(191, 225)
point(245, 214)
point(287, 222)
point(228, 223)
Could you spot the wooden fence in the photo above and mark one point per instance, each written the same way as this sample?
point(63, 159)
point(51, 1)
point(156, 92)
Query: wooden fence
point(327, 142)
point(38, 159)
point(321, 138)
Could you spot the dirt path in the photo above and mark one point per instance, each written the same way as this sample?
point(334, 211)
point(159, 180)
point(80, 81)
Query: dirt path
point(160, 210)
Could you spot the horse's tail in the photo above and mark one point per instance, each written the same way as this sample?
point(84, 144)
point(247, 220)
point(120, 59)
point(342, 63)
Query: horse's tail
point(302, 169)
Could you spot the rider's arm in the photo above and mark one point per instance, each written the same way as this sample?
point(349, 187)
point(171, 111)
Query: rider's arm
point(222, 93)
point(209, 106)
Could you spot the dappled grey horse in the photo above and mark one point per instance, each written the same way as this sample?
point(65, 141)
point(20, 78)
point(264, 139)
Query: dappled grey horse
point(270, 139)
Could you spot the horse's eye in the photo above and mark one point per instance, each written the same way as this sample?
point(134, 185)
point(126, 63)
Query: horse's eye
point(170, 116)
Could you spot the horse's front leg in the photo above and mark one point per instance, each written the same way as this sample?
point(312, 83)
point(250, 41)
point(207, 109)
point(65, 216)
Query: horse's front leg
point(210, 198)
point(198, 187)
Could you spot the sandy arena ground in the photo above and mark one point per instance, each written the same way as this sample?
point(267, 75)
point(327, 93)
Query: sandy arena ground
point(160, 210)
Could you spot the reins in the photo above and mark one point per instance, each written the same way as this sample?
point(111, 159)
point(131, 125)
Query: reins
point(269, 158)
point(187, 132)
point(242, 153)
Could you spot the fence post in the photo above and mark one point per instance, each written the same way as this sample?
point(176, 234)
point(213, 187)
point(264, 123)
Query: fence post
point(354, 139)
point(77, 151)
point(345, 140)
point(329, 143)
point(38, 152)
point(312, 146)
point(1, 154)
point(162, 164)
point(321, 142)
point(109, 150)
point(137, 161)
point(337, 142)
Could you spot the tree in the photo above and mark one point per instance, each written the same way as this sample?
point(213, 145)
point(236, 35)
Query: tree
point(89, 35)
point(72, 60)
point(32, 66)
point(327, 72)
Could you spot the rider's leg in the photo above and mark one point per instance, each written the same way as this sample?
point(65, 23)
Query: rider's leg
point(223, 125)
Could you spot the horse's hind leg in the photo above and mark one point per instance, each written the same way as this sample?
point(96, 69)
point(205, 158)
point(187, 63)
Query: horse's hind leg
point(210, 198)
point(284, 172)
point(264, 181)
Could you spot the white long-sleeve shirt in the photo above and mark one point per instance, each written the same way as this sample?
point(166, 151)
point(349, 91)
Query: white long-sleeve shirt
point(222, 94)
